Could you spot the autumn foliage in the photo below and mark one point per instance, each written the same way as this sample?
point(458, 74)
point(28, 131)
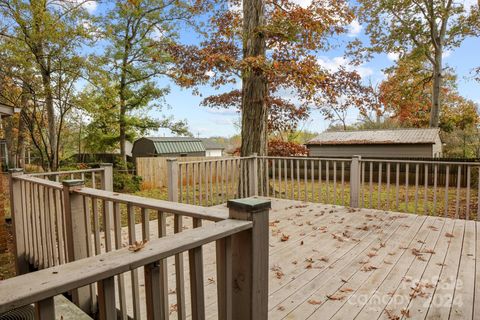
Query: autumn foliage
point(281, 148)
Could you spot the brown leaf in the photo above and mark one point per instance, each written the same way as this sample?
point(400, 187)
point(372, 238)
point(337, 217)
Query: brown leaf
point(137, 246)
point(314, 302)
point(284, 237)
point(335, 297)
point(449, 235)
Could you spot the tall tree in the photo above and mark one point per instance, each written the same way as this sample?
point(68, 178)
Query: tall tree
point(41, 38)
point(137, 33)
point(271, 47)
point(430, 27)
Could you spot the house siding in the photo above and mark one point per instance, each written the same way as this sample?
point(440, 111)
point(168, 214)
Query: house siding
point(377, 151)
point(214, 153)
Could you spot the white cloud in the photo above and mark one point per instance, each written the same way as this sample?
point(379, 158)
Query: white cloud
point(446, 54)
point(354, 28)
point(333, 64)
point(91, 6)
point(393, 56)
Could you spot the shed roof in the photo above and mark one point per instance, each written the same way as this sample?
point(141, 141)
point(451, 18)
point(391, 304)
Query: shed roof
point(212, 145)
point(166, 145)
point(396, 136)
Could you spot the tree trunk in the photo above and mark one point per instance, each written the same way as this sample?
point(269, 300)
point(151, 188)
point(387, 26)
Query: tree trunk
point(254, 82)
point(254, 88)
point(436, 89)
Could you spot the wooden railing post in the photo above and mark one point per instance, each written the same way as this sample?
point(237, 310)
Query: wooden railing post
point(107, 185)
point(21, 264)
point(76, 235)
point(172, 170)
point(253, 176)
point(250, 260)
point(45, 309)
point(355, 181)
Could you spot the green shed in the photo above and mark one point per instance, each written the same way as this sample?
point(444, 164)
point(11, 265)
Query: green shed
point(168, 147)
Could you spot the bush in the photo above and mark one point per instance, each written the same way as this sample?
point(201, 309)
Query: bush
point(126, 183)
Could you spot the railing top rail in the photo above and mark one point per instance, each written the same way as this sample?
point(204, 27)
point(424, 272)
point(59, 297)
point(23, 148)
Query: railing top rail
point(40, 181)
point(188, 210)
point(65, 172)
point(213, 160)
point(40, 285)
point(420, 162)
point(307, 158)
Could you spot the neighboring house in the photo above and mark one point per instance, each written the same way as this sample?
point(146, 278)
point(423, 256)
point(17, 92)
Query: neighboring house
point(398, 143)
point(212, 148)
point(168, 147)
point(5, 111)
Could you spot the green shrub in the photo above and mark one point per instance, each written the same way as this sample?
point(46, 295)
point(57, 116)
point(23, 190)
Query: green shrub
point(126, 183)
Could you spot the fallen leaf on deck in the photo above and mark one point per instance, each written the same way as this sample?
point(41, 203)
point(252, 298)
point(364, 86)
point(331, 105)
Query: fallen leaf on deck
point(391, 315)
point(281, 308)
point(346, 290)
point(314, 302)
point(335, 297)
point(284, 237)
point(137, 246)
point(368, 267)
point(405, 313)
point(449, 235)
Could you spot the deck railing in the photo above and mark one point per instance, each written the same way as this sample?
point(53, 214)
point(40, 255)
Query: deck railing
point(56, 224)
point(424, 187)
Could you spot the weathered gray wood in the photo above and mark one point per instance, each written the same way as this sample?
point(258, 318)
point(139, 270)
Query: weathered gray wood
point(153, 292)
point(354, 181)
point(224, 278)
point(197, 294)
point(163, 269)
point(45, 309)
point(179, 273)
point(118, 245)
point(39, 285)
point(172, 167)
point(18, 217)
point(107, 185)
point(76, 235)
point(106, 299)
point(250, 260)
point(134, 272)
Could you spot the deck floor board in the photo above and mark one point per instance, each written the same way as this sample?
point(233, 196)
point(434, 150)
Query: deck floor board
point(340, 263)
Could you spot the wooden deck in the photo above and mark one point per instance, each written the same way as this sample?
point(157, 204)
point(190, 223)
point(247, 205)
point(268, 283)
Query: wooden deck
point(330, 262)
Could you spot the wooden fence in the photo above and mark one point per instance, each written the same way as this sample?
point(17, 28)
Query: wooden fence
point(446, 188)
point(153, 170)
point(75, 234)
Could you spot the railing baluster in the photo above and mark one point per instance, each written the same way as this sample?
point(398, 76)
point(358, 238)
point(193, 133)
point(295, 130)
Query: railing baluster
point(48, 229)
point(197, 292)
point(106, 299)
point(292, 180)
point(363, 183)
point(187, 183)
point(467, 202)
point(305, 178)
point(54, 235)
point(180, 182)
point(267, 176)
point(397, 187)
point(327, 181)
point(371, 185)
point(388, 185)
point(134, 273)
point(285, 167)
point(407, 176)
point(194, 186)
point(425, 190)
point(118, 245)
point(457, 200)
point(96, 226)
point(478, 195)
point(312, 178)
point(379, 191)
point(343, 183)
point(217, 162)
point(179, 272)
point(320, 192)
point(224, 277)
point(280, 178)
point(211, 182)
point(435, 180)
point(45, 309)
point(274, 178)
point(416, 187)
point(163, 269)
point(334, 182)
point(447, 182)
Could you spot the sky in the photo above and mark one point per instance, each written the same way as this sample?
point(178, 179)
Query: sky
point(207, 122)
